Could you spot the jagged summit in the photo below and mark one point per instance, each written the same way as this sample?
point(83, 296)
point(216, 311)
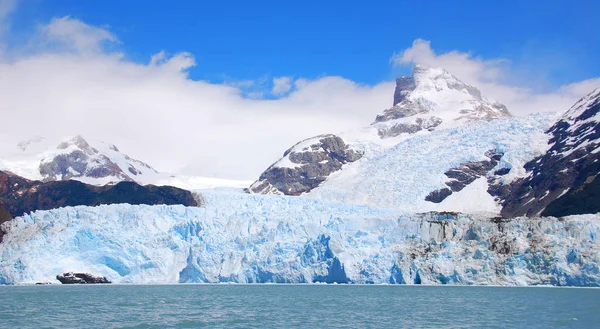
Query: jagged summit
point(90, 161)
point(93, 162)
point(432, 98)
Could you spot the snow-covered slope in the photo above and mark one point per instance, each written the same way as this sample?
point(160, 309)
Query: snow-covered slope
point(94, 162)
point(254, 238)
point(430, 100)
point(402, 176)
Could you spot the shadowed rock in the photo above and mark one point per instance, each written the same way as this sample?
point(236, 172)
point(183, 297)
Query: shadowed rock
point(565, 180)
point(310, 164)
point(81, 278)
point(464, 175)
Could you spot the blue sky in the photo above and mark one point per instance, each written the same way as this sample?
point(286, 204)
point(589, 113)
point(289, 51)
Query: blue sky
point(558, 40)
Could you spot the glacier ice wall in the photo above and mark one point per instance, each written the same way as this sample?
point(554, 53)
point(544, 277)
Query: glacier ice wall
point(254, 238)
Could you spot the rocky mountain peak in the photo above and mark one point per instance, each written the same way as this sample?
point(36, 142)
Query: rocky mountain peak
point(305, 165)
point(97, 163)
point(78, 142)
point(436, 79)
point(433, 97)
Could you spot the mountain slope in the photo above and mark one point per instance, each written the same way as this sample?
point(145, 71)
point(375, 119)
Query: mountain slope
point(456, 159)
point(96, 163)
point(565, 180)
point(431, 99)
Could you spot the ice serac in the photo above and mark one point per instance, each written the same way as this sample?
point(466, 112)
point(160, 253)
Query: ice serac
point(565, 180)
point(305, 165)
point(431, 99)
point(256, 238)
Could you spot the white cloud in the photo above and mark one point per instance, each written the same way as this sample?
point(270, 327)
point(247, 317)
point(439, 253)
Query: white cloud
point(490, 77)
point(281, 85)
point(156, 113)
point(75, 35)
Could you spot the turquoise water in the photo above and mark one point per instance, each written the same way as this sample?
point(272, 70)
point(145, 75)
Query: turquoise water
point(285, 306)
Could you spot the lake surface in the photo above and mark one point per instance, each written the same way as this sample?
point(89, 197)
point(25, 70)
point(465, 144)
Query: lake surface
point(285, 306)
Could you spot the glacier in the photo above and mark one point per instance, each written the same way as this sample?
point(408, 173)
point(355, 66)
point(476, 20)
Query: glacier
point(244, 238)
point(401, 176)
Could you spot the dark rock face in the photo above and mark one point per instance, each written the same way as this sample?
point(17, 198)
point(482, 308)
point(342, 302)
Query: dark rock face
point(5, 216)
point(404, 85)
point(565, 180)
point(20, 196)
point(312, 164)
point(81, 278)
point(464, 175)
point(438, 196)
point(401, 110)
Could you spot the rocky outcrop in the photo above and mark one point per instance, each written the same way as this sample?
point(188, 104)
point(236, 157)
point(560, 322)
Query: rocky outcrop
point(464, 175)
point(5, 216)
point(565, 180)
point(20, 196)
point(404, 85)
point(81, 278)
point(430, 94)
point(397, 129)
point(305, 165)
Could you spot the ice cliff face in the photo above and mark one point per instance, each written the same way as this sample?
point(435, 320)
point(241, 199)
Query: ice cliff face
point(252, 238)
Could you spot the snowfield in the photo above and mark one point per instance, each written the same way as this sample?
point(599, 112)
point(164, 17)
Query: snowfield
point(237, 237)
point(400, 177)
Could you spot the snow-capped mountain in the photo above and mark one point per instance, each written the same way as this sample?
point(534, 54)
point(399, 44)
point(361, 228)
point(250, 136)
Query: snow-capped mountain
point(565, 179)
point(423, 153)
point(99, 164)
point(305, 165)
point(443, 170)
point(432, 99)
point(378, 205)
point(89, 161)
point(94, 162)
